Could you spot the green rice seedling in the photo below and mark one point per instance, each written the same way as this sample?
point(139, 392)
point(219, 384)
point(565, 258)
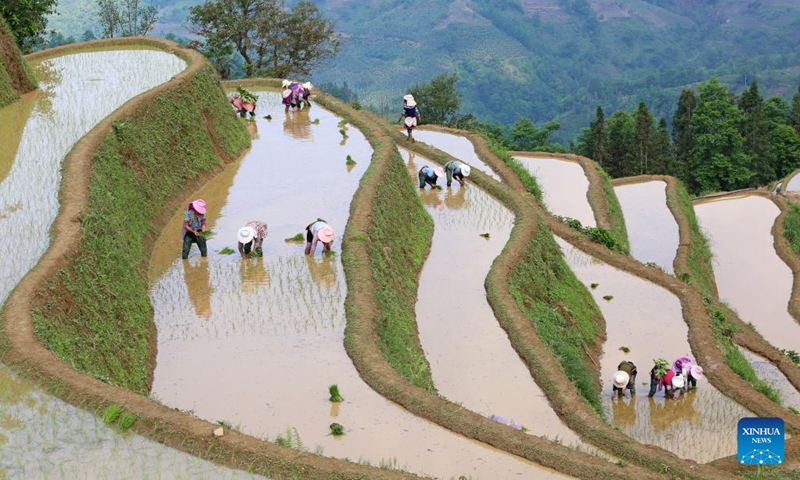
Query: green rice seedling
point(290, 439)
point(794, 410)
point(359, 238)
point(343, 122)
point(297, 238)
point(227, 251)
point(111, 414)
point(793, 355)
point(335, 396)
point(356, 105)
point(625, 349)
point(343, 132)
point(126, 420)
point(316, 121)
point(337, 429)
point(225, 424)
point(350, 160)
point(594, 285)
point(608, 297)
point(207, 234)
point(268, 117)
point(484, 235)
point(256, 254)
point(438, 187)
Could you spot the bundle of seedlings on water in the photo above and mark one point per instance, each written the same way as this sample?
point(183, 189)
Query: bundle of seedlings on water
point(207, 234)
point(111, 414)
point(335, 396)
point(316, 121)
point(126, 421)
point(350, 160)
point(337, 429)
point(226, 251)
point(485, 235)
point(297, 238)
point(625, 349)
point(595, 285)
point(344, 134)
point(268, 117)
point(608, 297)
point(256, 254)
point(661, 367)
point(438, 187)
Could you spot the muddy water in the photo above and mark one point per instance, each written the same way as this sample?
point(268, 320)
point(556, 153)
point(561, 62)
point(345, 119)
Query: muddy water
point(471, 358)
point(41, 436)
point(741, 240)
point(564, 186)
point(457, 146)
point(645, 318)
point(774, 377)
point(257, 342)
point(652, 230)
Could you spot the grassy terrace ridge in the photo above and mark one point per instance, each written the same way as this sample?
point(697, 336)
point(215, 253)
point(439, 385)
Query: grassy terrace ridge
point(16, 76)
point(618, 229)
point(133, 144)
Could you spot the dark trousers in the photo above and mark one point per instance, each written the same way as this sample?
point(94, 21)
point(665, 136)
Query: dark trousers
point(191, 238)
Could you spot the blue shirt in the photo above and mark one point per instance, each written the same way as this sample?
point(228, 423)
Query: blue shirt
point(428, 171)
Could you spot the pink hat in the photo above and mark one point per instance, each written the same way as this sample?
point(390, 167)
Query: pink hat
point(439, 171)
point(199, 206)
point(325, 234)
point(697, 371)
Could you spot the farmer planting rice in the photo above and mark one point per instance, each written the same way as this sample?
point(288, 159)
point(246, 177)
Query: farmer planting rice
point(410, 114)
point(458, 170)
point(251, 237)
point(625, 378)
point(194, 223)
point(303, 100)
point(690, 371)
point(661, 376)
point(318, 231)
point(428, 175)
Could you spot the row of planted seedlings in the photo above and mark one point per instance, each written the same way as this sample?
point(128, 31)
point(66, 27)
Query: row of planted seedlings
point(87, 297)
point(368, 264)
point(692, 304)
point(42, 434)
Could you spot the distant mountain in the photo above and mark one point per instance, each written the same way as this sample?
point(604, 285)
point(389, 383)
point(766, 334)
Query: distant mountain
point(547, 59)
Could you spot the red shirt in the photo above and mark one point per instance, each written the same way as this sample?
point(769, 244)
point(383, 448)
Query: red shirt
point(666, 380)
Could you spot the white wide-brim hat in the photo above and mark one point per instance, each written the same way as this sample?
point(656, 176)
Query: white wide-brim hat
point(246, 234)
point(285, 83)
point(307, 86)
point(677, 381)
point(410, 100)
point(621, 379)
point(325, 234)
point(465, 170)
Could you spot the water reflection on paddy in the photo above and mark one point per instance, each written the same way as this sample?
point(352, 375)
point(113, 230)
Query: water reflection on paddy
point(261, 352)
point(457, 146)
point(564, 186)
point(652, 230)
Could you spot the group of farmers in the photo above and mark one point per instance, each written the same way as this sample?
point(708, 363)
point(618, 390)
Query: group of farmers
point(681, 375)
point(250, 237)
point(295, 95)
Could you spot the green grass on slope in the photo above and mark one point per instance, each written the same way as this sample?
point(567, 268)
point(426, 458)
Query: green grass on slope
point(399, 243)
point(792, 227)
point(10, 53)
point(561, 309)
point(618, 231)
point(96, 314)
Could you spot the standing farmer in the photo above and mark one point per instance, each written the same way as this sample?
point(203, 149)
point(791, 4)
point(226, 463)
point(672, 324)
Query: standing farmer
point(194, 223)
point(318, 231)
point(411, 115)
point(458, 170)
point(429, 175)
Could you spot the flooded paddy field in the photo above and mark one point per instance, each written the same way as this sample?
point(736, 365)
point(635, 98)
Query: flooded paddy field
point(256, 343)
point(652, 229)
point(41, 436)
point(457, 146)
point(774, 377)
point(740, 234)
point(472, 360)
point(564, 186)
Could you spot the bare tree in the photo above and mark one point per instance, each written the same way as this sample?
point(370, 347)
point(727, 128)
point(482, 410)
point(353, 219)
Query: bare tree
point(127, 18)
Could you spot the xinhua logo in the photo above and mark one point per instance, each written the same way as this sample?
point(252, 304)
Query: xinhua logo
point(760, 441)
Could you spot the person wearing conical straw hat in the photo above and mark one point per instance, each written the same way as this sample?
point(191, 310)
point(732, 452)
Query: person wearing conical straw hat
point(429, 175)
point(307, 86)
point(194, 222)
point(318, 231)
point(691, 372)
point(251, 237)
point(410, 114)
point(625, 378)
point(458, 170)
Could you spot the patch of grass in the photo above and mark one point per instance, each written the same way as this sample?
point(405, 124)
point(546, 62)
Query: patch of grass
point(528, 180)
point(618, 231)
point(594, 285)
point(700, 256)
point(770, 472)
point(297, 238)
point(227, 251)
point(560, 308)
point(335, 396)
point(316, 121)
point(95, 313)
point(225, 424)
point(596, 234)
point(126, 421)
point(337, 429)
point(111, 414)
point(793, 410)
point(793, 355)
point(290, 439)
point(350, 160)
point(791, 225)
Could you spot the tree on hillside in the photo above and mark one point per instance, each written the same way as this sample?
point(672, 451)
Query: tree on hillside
point(718, 161)
point(27, 20)
point(660, 149)
point(438, 100)
point(621, 158)
point(643, 134)
point(126, 18)
point(784, 140)
point(755, 130)
point(794, 114)
point(682, 135)
point(598, 137)
point(526, 136)
point(272, 40)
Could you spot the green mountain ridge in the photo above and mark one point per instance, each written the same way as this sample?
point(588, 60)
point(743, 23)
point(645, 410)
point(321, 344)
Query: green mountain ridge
point(544, 59)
